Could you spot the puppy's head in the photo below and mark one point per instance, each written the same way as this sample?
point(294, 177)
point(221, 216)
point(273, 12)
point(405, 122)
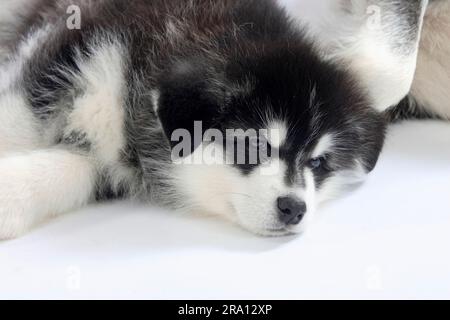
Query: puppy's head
point(266, 138)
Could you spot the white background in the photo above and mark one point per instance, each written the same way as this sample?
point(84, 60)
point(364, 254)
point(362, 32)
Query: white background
point(389, 239)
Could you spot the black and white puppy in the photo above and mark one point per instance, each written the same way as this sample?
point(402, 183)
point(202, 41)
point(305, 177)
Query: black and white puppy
point(99, 111)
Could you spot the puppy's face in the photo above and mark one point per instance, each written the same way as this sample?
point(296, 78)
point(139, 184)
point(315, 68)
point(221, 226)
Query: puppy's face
point(268, 140)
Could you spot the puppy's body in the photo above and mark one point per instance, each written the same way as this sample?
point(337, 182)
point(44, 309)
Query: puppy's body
point(377, 40)
point(91, 113)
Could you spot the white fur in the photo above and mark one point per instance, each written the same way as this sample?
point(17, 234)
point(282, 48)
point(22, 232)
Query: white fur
point(251, 200)
point(155, 95)
point(353, 39)
point(206, 187)
point(222, 190)
point(340, 183)
point(277, 133)
point(324, 145)
point(18, 130)
point(99, 112)
point(310, 195)
point(40, 184)
point(388, 77)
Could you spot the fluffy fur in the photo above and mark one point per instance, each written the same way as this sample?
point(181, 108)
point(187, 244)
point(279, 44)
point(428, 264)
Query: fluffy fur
point(377, 40)
point(91, 114)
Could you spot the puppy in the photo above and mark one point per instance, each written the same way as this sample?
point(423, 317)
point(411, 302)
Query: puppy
point(224, 107)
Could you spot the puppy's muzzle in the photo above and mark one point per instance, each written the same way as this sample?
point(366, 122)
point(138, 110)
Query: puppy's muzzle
point(291, 210)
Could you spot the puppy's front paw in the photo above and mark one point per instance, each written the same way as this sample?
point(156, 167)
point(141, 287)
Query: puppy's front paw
point(12, 223)
point(16, 210)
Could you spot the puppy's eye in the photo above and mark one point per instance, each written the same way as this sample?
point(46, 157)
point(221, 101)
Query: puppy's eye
point(259, 143)
point(317, 163)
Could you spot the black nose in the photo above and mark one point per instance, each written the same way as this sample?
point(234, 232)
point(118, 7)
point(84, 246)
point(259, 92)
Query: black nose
point(291, 210)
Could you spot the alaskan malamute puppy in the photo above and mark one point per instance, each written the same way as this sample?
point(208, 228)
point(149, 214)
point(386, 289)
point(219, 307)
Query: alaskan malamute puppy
point(169, 101)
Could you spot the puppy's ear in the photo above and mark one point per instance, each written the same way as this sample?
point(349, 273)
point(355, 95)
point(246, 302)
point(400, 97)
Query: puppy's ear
point(371, 135)
point(191, 94)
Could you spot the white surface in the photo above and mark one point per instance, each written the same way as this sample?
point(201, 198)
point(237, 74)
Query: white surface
point(389, 239)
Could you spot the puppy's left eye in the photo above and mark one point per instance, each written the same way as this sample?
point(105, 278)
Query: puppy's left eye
point(259, 143)
point(317, 163)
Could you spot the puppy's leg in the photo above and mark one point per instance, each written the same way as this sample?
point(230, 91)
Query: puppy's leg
point(18, 127)
point(41, 184)
point(376, 39)
point(388, 42)
point(384, 55)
